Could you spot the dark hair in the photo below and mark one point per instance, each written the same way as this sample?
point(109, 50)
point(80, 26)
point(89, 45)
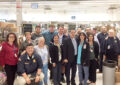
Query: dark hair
point(53, 38)
point(89, 36)
point(82, 33)
point(29, 44)
point(61, 27)
point(15, 41)
point(37, 26)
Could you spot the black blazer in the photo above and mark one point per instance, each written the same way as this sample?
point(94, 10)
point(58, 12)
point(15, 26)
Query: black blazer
point(68, 50)
point(53, 50)
point(85, 53)
point(63, 38)
point(96, 49)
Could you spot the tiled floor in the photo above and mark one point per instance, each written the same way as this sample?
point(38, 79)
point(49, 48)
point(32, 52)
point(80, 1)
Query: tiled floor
point(99, 79)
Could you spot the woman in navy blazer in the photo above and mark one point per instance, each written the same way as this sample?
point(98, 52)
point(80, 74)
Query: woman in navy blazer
point(83, 58)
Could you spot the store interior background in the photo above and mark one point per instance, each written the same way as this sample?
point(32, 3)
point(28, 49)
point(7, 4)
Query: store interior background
point(80, 12)
point(20, 16)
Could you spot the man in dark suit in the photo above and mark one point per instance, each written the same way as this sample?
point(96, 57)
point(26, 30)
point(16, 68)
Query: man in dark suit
point(70, 57)
point(61, 39)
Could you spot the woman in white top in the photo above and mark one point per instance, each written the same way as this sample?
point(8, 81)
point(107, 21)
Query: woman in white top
point(42, 50)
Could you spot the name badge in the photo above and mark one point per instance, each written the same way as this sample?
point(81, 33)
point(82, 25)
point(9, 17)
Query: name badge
point(26, 63)
point(34, 61)
point(91, 50)
point(84, 47)
point(15, 55)
point(115, 41)
point(108, 47)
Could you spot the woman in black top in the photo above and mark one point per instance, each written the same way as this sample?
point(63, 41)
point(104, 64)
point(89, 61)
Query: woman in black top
point(56, 58)
point(94, 52)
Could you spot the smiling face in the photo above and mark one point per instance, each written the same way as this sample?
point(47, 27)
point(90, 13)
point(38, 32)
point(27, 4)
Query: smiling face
point(38, 30)
point(103, 29)
point(51, 28)
point(82, 37)
point(90, 37)
point(41, 41)
point(79, 30)
point(65, 30)
point(56, 39)
point(28, 36)
point(88, 30)
point(72, 33)
point(111, 33)
point(30, 50)
point(11, 38)
point(61, 30)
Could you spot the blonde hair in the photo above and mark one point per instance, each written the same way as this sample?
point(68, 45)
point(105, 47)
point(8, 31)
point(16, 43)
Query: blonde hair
point(41, 38)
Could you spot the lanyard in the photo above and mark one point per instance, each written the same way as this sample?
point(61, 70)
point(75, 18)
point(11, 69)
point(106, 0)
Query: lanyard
point(14, 49)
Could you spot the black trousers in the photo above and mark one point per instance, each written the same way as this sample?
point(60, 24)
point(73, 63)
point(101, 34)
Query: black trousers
point(50, 68)
point(92, 70)
point(69, 66)
point(101, 61)
point(10, 72)
point(57, 73)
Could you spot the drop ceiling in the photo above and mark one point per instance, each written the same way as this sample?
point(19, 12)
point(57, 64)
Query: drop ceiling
point(63, 6)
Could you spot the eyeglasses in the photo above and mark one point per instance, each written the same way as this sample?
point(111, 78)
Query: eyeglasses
point(11, 37)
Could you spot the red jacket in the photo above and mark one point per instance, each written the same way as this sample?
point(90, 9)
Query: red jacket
point(8, 54)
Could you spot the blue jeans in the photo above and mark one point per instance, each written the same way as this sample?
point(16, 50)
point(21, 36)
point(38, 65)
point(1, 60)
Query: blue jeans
point(45, 71)
point(57, 74)
point(83, 69)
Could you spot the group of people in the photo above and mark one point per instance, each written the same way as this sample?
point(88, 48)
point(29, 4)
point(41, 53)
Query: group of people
point(61, 52)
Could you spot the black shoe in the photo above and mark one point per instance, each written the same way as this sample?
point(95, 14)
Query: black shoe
point(73, 83)
point(60, 84)
point(68, 83)
point(80, 84)
point(63, 80)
